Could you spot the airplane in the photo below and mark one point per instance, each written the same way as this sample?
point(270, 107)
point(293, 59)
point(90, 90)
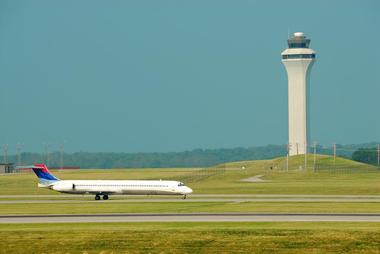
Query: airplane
point(107, 187)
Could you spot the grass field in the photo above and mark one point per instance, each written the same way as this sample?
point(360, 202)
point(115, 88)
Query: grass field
point(342, 177)
point(164, 207)
point(331, 177)
point(339, 177)
point(263, 237)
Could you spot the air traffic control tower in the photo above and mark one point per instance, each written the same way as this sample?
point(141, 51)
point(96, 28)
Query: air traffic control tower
point(298, 59)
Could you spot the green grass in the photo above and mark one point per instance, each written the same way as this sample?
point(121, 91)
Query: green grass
point(262, 237)
point(345, 177)
point(342, 177)
point(174, 207)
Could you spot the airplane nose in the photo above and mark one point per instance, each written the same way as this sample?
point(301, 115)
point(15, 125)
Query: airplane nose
point(189, 190)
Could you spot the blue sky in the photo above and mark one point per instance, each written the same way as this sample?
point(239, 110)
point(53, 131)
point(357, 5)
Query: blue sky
point(143, 76)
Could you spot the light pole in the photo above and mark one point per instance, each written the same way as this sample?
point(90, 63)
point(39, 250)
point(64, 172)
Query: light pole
point(47, 153)
point(305, 156)
point(334, 152)
point(315, 155)
point(5, 155)
point(19, 147)
point(287, 157)
point(62, 147)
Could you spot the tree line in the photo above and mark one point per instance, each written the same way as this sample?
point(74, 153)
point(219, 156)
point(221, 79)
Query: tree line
point(367, 155)
point(194, 158)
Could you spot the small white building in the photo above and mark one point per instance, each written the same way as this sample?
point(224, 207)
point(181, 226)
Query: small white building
point(6, 168)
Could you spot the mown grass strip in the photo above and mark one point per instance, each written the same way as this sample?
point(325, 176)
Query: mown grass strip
point(191, 238)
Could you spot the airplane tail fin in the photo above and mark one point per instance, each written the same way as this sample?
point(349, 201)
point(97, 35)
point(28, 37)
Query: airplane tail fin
point(45, 177)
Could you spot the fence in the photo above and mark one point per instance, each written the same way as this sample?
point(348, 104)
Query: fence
point(200, 174)
point(332, 159)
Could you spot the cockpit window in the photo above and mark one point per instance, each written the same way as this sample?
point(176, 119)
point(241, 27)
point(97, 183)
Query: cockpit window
point(181, 184)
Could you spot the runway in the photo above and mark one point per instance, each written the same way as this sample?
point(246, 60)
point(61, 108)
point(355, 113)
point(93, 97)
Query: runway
point(28, 199)
point(192, 217)
point(205, 195)
point(161, 200)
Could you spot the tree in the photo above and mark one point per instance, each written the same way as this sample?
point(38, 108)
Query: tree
point(366, 155)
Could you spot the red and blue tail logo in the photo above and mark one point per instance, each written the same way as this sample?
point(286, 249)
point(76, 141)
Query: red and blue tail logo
point(43, 172)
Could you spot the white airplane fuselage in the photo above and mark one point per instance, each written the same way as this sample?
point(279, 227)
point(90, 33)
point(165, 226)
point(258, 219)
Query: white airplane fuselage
point(131, 187)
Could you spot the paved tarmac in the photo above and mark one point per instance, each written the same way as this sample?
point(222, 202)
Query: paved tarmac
point(191, 217)
point(239, 198)
point(203, 196)
point(189, 200)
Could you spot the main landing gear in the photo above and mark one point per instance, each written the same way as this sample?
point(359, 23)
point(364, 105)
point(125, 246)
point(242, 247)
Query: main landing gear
point(97, 197)
point(184, 197)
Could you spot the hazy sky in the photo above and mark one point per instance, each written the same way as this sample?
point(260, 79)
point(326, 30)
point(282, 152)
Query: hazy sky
point(142, 76)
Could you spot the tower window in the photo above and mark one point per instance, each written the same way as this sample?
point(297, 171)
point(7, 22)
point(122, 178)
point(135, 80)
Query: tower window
point(297, 45)
point(298, 56)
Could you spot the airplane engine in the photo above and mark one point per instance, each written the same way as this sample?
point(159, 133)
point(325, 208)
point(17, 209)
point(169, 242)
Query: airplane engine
point(64, 187)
